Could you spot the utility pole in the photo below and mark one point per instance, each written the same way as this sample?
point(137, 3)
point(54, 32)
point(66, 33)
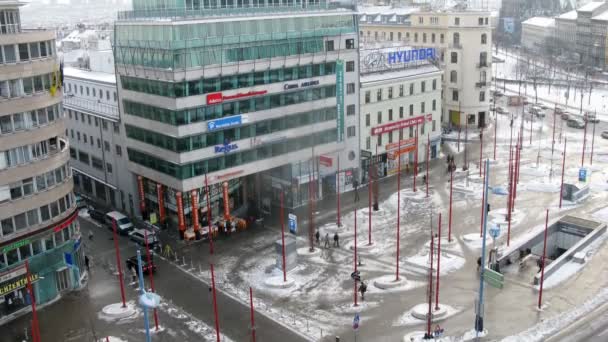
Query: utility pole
point(479, 311)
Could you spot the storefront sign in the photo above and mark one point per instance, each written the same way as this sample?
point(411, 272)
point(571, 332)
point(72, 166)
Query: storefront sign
point(65, 223)
point(16, 245)
point(194, 211)
point(226, 201)
point(226, 122)
point(161, 202)
point(413, 55)
point(400, 144)
point(401, 124)
point(226, 148)
point(11, 274)
point(326, 161)
point(180, 211)
point(289, 86)
point(215, 98)
point(340, 98)
point(267, 140)
point(16, 284)
point(229, 174)
point(140, 186)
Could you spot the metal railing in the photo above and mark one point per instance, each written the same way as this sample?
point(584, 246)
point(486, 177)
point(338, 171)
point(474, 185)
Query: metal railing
point(482, 84)
point(91, 106)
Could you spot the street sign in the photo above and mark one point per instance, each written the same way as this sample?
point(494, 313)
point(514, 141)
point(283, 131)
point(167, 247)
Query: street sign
point(356, 321)
point(495, 231)
point(293, 223)
point(582, 174)
point(493, 278)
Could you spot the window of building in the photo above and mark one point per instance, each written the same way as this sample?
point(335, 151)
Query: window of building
point(84, 137)
point(104, 125)
point(114, 96)
point(367, 120)
point(118, 150)
point(453, 76)
point(456, 21)
point(329, 45)
point(83, 157)
point(424, 37)
point(367, 96)
point(454, 95)
point(91, 140)
point(480, 21)
point(379, 141)
point(411, 131)
point(432, 38)
point(423, 86)
point(441, 39)
point(434, 105)
point(484, 38)
point(81, 92)
point(411, 110)
point(434, 125)
point(454, 57)
point(350, 66)
point(108, 95)
point(97, 163)
point(456, 39)
point(390, 137)
point(401, 112)
point(89, 119)
point(350, 110)
point(94, 92)
point(350, 88)
point(78, 135)
point(399, 36)
point(72, 133)
point(411, 88)
point(368, 143)
point(482, 96)
point(116, 127)
point(401, 87)
point(106, 145)
point(420, 20)
point(486, 20)
point(415, 37)
point(98, 143)
point(350, 131)
point(379, 94)
point(109, 167)
point(82, 117)
point(96, 122)
point(390, 92)
point(390, 115)
point(87, 88)
point(350, 44)
point(483, 57)
point(390, 36)
point(422, 107)
point(422, 128)
point(379, 117)
point(435, 84)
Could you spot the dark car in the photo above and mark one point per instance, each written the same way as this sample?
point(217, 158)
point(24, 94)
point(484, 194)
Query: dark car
point(132, 263)
point(97, 215)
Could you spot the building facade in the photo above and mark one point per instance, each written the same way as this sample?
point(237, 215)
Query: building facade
point(400, 108)
point(537, 32)
point(37, 208)
point(463, 40)
point(254, 104)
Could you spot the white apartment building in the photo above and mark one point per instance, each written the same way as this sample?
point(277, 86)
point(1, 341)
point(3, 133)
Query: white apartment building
point(537, 32)
point(400, 93)
point(463, 39)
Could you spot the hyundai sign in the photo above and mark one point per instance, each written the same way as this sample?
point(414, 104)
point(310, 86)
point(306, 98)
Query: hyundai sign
point(406, 56)
point(224, 123)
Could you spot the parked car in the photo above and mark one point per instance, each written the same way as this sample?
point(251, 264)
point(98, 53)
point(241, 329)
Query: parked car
point(566, 116)
point(123, 224)
point(576, 123)
point(139, 236)
point(526, 101)
point(544, 106)
point(592, 118)
point(559, 110)
point(501, 110)
point(537, 111)
point(605, 134)
point(497, 93)
point(97, 215)
point(145, 266)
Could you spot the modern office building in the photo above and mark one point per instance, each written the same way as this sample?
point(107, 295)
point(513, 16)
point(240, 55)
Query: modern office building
point(463, 40)
point(400, 93)
point(37, 208)
point(255, 97)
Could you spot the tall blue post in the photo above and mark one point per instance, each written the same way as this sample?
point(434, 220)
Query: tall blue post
point(142, 291)
point(479, 313)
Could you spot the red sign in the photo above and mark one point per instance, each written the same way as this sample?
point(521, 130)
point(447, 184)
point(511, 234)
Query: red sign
point(180, 211)
point(161, 202)
point(401, 124)
point(65, 223)
point(140, 186)
point(229, 174)
point(194, 212)
point(226, 199)
point(325, 161)
point(402, 143)
point(215, 98)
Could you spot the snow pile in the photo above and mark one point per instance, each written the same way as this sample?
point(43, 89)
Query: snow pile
point(111, 339)
point(408, 318)
point(116, 313)
point(602, 214)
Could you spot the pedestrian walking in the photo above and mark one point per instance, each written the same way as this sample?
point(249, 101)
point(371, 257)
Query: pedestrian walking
point(86, 261)
point(317, 236)
point(336, 240)
point(356, 187)
point(326, 240)
point(362, 289)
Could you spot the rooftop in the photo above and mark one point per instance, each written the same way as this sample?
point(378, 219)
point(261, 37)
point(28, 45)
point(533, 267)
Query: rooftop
point(572, 15)
point(93, 76)
point(590, 7)
point(540, 21)
point(370, 10)
point(11, 3)
point(602, 16)
point(390, 74)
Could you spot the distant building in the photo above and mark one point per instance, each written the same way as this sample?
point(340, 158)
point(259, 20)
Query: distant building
point(537, 32)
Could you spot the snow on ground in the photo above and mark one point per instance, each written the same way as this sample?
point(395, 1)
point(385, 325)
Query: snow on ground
point(449, 262)
point(111, 339)
point(408, 319)
point(602, 214)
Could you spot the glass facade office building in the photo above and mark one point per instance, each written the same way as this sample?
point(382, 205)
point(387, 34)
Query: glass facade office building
point(259, 96)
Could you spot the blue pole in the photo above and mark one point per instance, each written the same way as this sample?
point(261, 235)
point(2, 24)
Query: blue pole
point(479, 314)
point(142, 291)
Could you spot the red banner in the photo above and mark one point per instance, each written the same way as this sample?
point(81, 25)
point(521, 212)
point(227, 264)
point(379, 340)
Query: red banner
point(142, 200)
point(401, 124)
point(401, 144)
point(161, 203)
point(214, 98)
point(325, 161)
point(180, 211)
point(226, 201)
point(65, 223)
point(194, 211)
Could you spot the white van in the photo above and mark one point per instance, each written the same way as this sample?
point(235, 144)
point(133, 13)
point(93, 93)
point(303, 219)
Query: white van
point(123, 224)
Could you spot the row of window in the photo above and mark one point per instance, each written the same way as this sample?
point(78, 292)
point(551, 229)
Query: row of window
point(27, 120)
point(28, 153)
point(237, 158)
point(91, 119)
point(223, 83)
point(92, 90)
point(106, 144)
point(33, 185)
point(26, 86)
point(93, 161)
point(35, 216)
point(9, 21)
point(390, 91)
point(455, 37)
point(216, 138)
point(199, 114)
point(26, 51)
point(379, 117)
point(39, 246)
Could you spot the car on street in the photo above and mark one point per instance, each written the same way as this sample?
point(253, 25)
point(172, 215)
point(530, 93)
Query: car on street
point(537, 111)
point(145, 266)
point(123, 224)
point(80, 202)
point(139, 236)
point(592, 118)
point(526, 101)
point(566, 116)
point(501, 110)
point(559, 110)
point(497, 93)
point(97, 215)
point(544, 106)
point(576, 123)
point(605, 134)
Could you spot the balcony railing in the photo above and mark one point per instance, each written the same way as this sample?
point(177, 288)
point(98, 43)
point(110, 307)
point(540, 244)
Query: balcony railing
point(482, 84)
point(91, 106)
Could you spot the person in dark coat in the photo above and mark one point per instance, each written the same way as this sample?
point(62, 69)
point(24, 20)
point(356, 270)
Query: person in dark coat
point(356, 187)
point(362, 289)
point(86, 261)
point(317, 236)
point(336, 240)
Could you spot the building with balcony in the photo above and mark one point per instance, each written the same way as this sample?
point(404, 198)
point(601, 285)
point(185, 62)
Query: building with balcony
point(400, 107)
point(463, 42)
point(256, 98)
point(37, 208)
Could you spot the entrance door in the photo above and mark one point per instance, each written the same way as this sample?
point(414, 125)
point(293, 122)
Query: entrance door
point(481, 119)
point(455, 118)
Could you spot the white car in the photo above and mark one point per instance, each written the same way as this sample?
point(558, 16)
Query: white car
point(605, 134)
point(139, 236)
point(501, 110)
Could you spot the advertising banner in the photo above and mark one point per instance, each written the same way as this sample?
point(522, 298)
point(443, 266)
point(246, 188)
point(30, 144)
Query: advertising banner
point(340, 98)
point(226, 201)
point(194, 211)
point(180, 211)
point(401, 124)
point(140, 187)
point(161, 202)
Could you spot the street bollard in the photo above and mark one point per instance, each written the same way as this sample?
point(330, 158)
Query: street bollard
point(191, 263)
point(200, 269)
point(176, 259)
point(184, 260)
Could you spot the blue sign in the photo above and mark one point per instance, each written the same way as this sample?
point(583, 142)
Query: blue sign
point(356, 321)
point(508, 25)
point(293, 223)
point(224, 123)
point(340, 98)
point(68, 259)
point(407, 56)
point(226, 147)
point(582, 174)
point(495, 231)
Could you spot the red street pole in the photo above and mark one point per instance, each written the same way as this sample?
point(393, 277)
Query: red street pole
point(561, 189)
point(151, 275)
point(416, 158)
point(252, 319)
point(355, 258)
point(483, 198)
point(122, 285)
point(338, 191)
point(480, 150)
point(450, 218)
point(398, 212)
point(430, 314)
point(369, 199)
point(438, 264)
point(35, 325)
point(584, 144)
point(592, 142)
point(217, 322)
point(495, 134)
point(209, 233)
point(428, 156)
point(283, 239)
point(542, 270)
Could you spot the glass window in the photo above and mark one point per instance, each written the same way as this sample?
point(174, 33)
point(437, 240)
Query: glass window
point(7, 226)
point(24, 54)
point(9, 54)
point(45, 214)
point(20, 221)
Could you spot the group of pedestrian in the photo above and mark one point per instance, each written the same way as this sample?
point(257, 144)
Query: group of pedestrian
point(451, 163)
point(326, 239)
